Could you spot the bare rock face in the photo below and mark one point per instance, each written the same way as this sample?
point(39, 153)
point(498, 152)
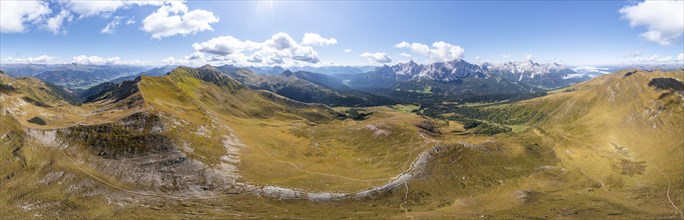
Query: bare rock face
point(428, 127)
point(527, 196)
point(136, 151)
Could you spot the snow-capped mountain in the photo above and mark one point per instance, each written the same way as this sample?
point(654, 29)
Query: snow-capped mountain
point(525, 69)
point(551, 75)
point(548, 75)
point(440, 71)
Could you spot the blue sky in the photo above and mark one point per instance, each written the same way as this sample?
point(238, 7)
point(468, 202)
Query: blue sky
point(579, 33)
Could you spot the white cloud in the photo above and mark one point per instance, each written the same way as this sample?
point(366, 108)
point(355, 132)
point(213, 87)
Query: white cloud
point(111, 26)
point(82, 59)
point(639, 57)
point(680, 57)
point(664, 20)
point(130, 21)
point(175, 18)
point(225, 45)
point(195, 56)
point(529, 56)
point(377, 57)
point(169, 60)
point(103, 7)
point(133, 62)
point(440, 51)
point(405, 55)
point(443, 51)
point(15, 14)
point(255, 59)
point(279, 49)
point(415, 47)
point(54, 24)
point(95, 60)
point(347, 50)
point(315, 39)
point(281, 41)
point(42, 59)
point(652, 59)
point(506, 56)
point(590, 69)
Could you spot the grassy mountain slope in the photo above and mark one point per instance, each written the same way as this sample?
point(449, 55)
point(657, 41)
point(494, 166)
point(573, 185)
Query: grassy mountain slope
point(194, 121)
point(175, 146)
point(621, 121)
point(617, 136)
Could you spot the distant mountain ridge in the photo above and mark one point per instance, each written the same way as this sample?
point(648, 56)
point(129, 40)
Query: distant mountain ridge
point(330, 70)
point(72, 76)
point(305, 87)
point(548, 75)
point(535, 74)
point(440, 71)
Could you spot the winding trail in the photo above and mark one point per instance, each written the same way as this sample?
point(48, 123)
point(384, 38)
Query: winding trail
point(417, 167)
point(669, 184)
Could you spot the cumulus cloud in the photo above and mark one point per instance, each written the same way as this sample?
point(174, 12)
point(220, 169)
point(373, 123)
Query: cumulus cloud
point(175, 18)
point(377, 57)
point(54, 24)
point(664, 20)
point(439, 52)
point(315, 39)
point(171, 18)
point(225, 45)
point(255, 59)
point(405, 55)
point(415, 47)
point(680, 57)
point(103, 8)
point(278, 49)
point(347, 50)
point(652, 59)
point(42, 59)
point(14, 15)
point(169, 61)
point(506, 56)
point(95, 60)
point(281, 41)
point(195, 56)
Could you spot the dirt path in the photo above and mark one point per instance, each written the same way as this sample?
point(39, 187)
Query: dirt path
point(669, 184)
point(417, 167)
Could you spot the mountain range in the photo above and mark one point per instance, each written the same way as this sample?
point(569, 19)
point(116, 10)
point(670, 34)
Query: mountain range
point(72, 76)
point(267, 70)
point(528, 72)
point(200, 138)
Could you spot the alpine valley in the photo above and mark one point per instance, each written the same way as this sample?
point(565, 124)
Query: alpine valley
point(122, 109)
point(227, 142)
